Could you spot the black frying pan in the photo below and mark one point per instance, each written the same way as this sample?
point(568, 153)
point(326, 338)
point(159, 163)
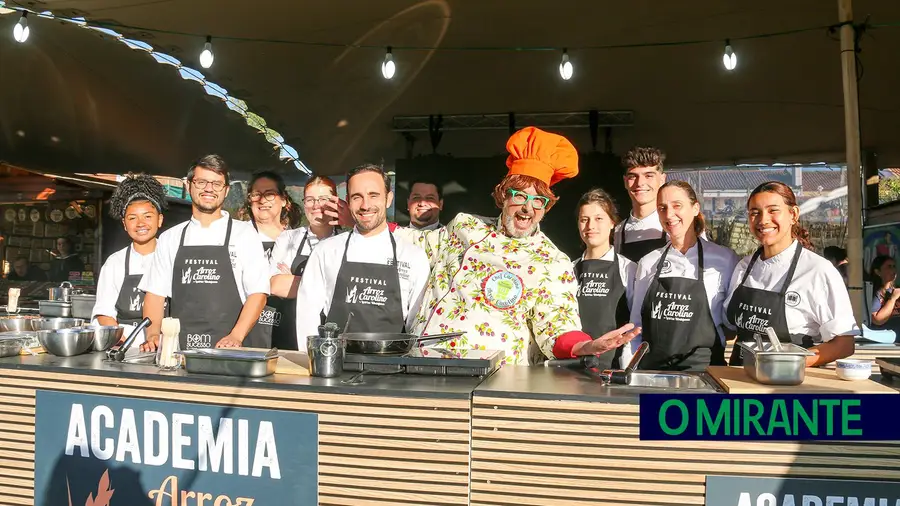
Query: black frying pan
point(387, 343)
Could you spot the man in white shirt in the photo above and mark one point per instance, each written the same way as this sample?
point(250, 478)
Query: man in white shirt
point(426, 200)
point(641, 232)
point(365, 271)
point(210, 267)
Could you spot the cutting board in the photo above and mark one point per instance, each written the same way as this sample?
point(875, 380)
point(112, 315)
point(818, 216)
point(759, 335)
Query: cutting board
point(289, 362)
point(818, 381)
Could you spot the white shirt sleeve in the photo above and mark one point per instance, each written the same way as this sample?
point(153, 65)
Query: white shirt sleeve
point(723, 296)
point(251, 256)
point(108, 286)
point(280, 252)
point(158, 280)
point(420, 269)
point(311, 297)
point(835, 316)
point(736, 278)
point(644, 272)
point(627, 271)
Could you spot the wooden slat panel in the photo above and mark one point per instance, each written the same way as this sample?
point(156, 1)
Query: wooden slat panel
point(373, 450)
point(542, 453)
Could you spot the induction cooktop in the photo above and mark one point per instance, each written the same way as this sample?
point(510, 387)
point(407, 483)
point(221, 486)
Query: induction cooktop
point(428, 362)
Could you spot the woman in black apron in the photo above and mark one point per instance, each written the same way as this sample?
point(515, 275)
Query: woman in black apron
point(605, 279)
point(272, 212)
point(138, 201)
point(290, 254)
point(676, 313)
point(777, 299)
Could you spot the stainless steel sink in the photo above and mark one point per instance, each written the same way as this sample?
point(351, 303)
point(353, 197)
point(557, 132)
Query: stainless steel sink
point(670, 381)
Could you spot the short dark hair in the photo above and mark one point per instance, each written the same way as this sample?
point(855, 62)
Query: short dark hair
point(22, 257)
point(440, 191)
point(835, 253)
point(643, 156)
point(370, 167)
point(68, 240)
point(214, 163)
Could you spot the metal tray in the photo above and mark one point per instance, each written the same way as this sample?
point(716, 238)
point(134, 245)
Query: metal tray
point(55, 308)
point(225, 362)
point(786, 367)
point(83, 305)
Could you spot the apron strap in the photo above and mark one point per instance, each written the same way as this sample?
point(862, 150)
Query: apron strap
point(662, 260)
point(227, 233)
point(302, 243)
point(128, 261)
point(790, 273)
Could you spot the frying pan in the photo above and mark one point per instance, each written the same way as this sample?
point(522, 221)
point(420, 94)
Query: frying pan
point(388, 343)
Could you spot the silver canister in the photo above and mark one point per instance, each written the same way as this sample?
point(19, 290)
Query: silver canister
point(326, 356)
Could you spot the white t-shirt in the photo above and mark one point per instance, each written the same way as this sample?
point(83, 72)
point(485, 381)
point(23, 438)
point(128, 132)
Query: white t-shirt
point(816, 304)
point(718, 264)
point(251, 271)
point(317, 288)
point(109, 283)
point(627, 271)
point(286, 247)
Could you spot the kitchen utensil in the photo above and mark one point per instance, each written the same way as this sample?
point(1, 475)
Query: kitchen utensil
point(583, 362)
point(786, 367)
point(15, 324)
point(386, 343)
point(230, 362)
point(12, 305)
point(167, 357)
point(82, 305)
point(55, 308)
point(60, 293)
point(117, 352)
point(11, 346)
point(326, 356)
point(106, 335)
point(773, 337)
point(56, 323)
point(347, 325)
point(852, 369)
point(66, 342)
point(759, 343)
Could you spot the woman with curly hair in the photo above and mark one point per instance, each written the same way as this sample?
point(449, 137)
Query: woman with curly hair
point(138, 202)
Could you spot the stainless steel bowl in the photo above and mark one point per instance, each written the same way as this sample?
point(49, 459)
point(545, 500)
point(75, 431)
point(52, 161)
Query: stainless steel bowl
point(105, 336)
point(66, 342)
point(16, 324)
point(56, 323)
point(11, 346)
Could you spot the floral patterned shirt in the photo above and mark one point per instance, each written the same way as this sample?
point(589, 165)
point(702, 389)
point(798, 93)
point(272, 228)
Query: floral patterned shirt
point(509, 294)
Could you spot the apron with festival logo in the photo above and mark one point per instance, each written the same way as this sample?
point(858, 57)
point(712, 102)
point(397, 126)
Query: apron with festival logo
point(284, 336)
point(602, 304)
point(130, 304)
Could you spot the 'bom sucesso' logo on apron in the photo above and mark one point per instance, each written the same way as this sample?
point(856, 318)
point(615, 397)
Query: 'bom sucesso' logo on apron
point(503, 289)
point(367, 291)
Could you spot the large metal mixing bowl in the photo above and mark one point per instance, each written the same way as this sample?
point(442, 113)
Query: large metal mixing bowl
point(16, 324)
point(66, 342)
point(105, 336)
point(56, 323)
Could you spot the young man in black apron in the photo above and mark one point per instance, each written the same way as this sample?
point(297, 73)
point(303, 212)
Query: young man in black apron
point(205, 293)
point(643, 177)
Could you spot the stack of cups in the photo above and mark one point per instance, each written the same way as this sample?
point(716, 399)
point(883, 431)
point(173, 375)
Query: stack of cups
point(326, 352)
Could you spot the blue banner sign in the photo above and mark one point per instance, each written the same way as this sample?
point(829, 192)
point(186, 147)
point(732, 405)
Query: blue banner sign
point(117, 451)
point(717, 417)
point(747, 491)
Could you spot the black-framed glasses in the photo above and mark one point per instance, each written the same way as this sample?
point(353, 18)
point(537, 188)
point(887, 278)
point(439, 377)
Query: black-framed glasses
point(311, 201)
point(268, 196)
point(521, 198)
point(203, 184)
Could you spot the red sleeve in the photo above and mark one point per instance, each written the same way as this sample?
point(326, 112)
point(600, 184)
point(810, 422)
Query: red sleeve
point(392, 226)
point(565, 343)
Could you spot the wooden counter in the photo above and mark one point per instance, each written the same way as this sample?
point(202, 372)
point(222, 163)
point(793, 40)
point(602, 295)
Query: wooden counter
point(554, 437)
point(393, 440)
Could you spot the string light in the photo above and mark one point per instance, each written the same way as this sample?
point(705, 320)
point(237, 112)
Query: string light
point(388, 68)
point(207, 57)
point(565, 66)
point(21, 31)
point(729, 58)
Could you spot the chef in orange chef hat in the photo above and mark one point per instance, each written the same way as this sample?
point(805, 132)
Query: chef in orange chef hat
point(500, 279)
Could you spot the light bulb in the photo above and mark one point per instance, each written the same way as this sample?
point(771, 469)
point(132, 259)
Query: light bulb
point(21, 31)
point(388, 67)
point(565, 66)
point(729, 58)
point(206, 57)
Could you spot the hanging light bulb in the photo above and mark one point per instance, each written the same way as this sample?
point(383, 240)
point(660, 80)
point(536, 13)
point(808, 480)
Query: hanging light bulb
point(206, 57)
point(565, 66)
point(21, 31)
point(388, 67)
point(729, 58)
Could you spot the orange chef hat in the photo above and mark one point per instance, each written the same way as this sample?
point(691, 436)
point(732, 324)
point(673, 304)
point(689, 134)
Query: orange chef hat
point(542, 155)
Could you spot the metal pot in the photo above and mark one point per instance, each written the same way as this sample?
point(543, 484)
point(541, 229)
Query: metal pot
point(386, 343)
point(61, 293)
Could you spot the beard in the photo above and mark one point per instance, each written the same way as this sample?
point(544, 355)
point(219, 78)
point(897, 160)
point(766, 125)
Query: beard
point(509, 225)
point(203, 207)
point(372, 224)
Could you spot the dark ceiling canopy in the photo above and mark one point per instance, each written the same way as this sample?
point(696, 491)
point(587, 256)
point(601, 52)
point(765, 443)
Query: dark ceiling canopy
point(74, 100)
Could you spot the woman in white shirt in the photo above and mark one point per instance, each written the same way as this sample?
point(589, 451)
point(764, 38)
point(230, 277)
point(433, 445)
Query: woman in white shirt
point(605, 279)
point(679, 289)
point(291, 252)
point(272, 212)
point(138, 202)
point(784, 285)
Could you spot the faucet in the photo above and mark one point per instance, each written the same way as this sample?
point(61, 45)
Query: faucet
point(623, 377)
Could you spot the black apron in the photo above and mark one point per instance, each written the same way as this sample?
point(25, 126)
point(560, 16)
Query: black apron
point(602, 304)
point(205, 295)
point(130, 304)
point(751, 310)
point(636, 250)
point(284, 336)
point(260, 335)
point(678, 324)
point(371, 292)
